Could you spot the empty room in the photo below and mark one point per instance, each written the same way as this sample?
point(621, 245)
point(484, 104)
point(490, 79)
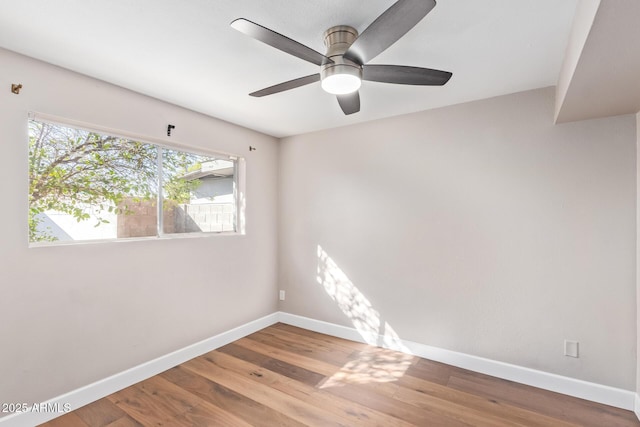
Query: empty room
point(328, 213)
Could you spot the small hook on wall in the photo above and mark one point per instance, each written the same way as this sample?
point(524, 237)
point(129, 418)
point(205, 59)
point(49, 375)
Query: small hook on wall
point(252, 148)
point(15, 88)
point(169, 128)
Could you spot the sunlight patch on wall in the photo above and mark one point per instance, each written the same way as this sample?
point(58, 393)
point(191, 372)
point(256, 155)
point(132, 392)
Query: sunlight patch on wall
point(349, 299)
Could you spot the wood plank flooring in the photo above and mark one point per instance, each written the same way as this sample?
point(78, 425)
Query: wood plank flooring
point(286, 376)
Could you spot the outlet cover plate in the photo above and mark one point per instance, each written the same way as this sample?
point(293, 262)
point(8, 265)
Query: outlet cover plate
point(571, 348)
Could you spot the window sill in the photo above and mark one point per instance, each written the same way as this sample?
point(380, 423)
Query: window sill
point(136, 239)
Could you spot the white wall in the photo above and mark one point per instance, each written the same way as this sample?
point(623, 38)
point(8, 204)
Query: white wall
point(603, 36)
point(71, 315)
point(481, 228)
point(582, 21)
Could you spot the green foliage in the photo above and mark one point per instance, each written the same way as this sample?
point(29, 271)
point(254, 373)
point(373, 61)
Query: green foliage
point(72, 170)
point(179, 190)
point(176, 164)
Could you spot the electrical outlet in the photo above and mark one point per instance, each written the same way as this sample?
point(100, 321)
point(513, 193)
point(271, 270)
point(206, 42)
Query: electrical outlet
point(281, 295)
point(571, 348)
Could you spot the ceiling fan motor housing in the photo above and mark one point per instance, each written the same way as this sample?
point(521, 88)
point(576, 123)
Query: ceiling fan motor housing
point(337, 40)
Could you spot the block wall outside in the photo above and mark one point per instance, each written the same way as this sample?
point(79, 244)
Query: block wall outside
point(140, 218)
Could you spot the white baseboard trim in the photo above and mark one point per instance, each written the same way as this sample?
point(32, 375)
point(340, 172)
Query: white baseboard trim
point(573, 387)
point(92, 392)
point(82, 396)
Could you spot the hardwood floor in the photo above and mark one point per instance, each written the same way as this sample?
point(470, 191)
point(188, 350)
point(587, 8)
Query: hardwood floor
point(286, 376)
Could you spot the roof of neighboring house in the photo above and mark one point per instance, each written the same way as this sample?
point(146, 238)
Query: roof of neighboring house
point(213, 168)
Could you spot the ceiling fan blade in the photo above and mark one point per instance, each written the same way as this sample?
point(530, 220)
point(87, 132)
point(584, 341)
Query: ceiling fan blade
point(350, 103)
point(291, 84)
point(279, 41)
point(403, 75)
point(394, 23)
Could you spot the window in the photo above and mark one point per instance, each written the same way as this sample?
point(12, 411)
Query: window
point(87, 185)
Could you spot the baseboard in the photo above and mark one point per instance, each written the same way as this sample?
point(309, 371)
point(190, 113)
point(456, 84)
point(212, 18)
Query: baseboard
point(573, 387)
point(92, 392)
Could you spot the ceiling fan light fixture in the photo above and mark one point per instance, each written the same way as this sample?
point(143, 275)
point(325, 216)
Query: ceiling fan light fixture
point(341, 84)
point(341, 79)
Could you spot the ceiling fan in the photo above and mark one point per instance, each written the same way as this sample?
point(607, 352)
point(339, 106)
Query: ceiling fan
point(344, 65)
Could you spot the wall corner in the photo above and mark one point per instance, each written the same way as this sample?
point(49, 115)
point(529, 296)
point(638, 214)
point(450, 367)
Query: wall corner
point(637, 400)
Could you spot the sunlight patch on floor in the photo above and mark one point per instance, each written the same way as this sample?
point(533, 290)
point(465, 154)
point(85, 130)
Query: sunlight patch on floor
point(381, 366)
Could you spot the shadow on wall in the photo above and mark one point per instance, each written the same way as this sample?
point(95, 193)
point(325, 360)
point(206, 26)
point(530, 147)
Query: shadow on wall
point(376, 365)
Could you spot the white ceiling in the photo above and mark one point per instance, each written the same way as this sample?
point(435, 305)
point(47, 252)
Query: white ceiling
point(184, 52)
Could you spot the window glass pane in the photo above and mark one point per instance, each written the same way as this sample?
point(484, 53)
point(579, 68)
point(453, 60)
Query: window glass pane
point(85, 185)
point(199, 193)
